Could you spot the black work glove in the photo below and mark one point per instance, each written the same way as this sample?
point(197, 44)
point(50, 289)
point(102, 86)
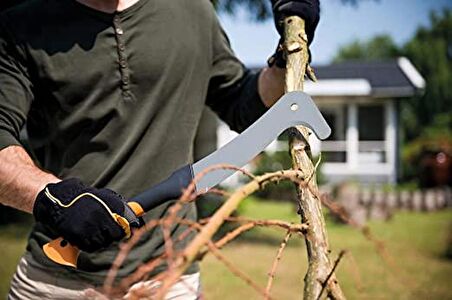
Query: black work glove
point(308, 10)
point(88, 218)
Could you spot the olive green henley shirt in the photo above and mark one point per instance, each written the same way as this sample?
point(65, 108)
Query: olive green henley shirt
point(115, 99)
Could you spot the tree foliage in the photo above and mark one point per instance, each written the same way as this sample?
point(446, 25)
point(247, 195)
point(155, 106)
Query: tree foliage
point(430, 51)
point(377, 48)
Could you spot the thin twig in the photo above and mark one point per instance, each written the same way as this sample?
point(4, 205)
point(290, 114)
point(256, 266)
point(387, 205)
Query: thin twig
point(124, 249)
point(271, 274)
point(236, 271)
point(355, 272)
point(148, 267)
point(336, 263)
point(189, 195)
point(379, 245)
point(191, 251)
point(214, 191)
point(230, 236)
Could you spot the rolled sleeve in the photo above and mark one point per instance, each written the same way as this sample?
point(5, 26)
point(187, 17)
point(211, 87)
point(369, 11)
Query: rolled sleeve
point(7, 139)
point(15, 88)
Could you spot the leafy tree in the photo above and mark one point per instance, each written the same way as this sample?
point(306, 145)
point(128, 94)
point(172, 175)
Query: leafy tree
point(428, 119)
point(377, 48)
point(431, 52)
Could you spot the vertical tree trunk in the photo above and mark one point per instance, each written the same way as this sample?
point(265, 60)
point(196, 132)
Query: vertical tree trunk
point(310, 207)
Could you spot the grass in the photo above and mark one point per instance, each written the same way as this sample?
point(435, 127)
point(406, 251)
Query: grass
point(416, 243)
point(12, 246)
point(416, 267)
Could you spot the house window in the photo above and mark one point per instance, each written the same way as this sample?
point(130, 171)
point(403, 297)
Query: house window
point(371, 131)
point(334, 148)
point(371, 122)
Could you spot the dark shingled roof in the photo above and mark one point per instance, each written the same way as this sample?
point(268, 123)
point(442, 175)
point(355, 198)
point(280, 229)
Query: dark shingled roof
point(385, 77)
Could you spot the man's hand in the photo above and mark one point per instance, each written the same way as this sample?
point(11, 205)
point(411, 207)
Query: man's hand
point(86, 217)
point(308, 10)
point(271, 85)
point(271, 80)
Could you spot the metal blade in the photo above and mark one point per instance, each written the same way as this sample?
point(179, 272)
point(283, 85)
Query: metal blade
point(294, 108)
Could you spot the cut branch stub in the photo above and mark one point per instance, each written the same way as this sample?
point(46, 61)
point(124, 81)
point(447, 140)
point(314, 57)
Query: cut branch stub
point(319, 264)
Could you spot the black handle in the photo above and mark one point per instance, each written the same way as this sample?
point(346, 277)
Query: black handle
point(169, 189)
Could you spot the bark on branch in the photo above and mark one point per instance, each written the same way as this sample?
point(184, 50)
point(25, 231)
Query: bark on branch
point(310, 208)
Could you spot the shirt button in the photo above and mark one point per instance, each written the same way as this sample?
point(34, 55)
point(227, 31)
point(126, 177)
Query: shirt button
point(126, 96)
point(119, 31)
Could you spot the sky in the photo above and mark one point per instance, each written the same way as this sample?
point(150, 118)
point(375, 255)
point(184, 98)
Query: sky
point(339, 25)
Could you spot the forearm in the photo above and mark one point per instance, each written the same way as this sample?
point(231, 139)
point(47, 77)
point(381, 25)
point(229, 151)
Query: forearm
point(271, 85)
point(20, 179)
point(241, 103)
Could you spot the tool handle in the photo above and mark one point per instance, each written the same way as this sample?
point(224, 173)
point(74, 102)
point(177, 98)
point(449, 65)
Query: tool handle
point(169, 189)
point(63, 253)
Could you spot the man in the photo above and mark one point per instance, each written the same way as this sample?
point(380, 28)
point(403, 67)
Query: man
point(111, 93)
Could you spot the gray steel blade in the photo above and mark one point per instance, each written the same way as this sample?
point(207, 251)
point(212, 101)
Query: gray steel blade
point(294, 108)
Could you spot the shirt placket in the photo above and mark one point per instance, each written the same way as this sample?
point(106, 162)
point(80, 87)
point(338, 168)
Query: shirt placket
point(122, 59)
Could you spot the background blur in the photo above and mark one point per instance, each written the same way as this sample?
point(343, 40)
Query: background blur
point(385, 74)
point(385, 71)
point(385, 87)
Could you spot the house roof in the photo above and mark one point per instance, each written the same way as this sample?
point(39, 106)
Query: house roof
point(392, 78)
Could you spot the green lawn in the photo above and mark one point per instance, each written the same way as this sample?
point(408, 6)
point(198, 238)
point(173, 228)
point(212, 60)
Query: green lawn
point(415, 242)
point(12, 246)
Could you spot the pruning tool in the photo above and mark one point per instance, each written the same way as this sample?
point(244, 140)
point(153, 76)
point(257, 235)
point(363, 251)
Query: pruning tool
point(292, 109)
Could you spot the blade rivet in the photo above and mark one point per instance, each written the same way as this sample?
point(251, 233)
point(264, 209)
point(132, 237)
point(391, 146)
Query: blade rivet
point(294, 107)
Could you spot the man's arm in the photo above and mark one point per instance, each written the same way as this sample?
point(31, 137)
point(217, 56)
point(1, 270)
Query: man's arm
point(271, 85)
point(238, 95)
point(60, 205)
point(20, 179)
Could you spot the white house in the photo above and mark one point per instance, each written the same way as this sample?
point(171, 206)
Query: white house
point(360, 101)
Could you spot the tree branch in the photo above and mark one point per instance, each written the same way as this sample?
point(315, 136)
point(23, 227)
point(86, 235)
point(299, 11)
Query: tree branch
point(190, 253)
point(271, 274)
point(310, 207)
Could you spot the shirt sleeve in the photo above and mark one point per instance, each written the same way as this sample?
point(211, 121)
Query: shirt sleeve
point(15, 88)
point(232, 92)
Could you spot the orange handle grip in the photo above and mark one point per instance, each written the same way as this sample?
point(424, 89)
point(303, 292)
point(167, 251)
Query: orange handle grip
point(61, 252)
